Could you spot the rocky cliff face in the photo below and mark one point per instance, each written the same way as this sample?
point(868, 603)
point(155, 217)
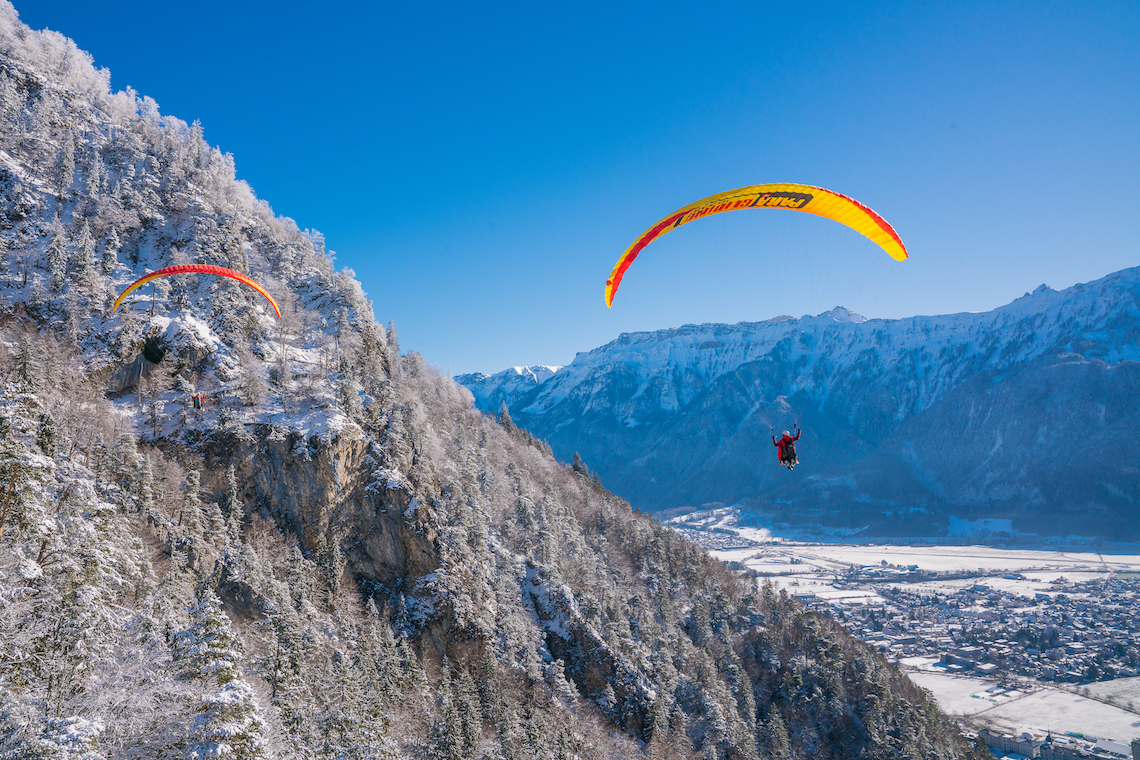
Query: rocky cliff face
point(966, 414)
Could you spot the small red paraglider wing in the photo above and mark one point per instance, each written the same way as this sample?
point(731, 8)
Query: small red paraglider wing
point(195, 269)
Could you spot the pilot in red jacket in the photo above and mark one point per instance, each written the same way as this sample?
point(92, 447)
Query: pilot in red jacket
point(784, 441)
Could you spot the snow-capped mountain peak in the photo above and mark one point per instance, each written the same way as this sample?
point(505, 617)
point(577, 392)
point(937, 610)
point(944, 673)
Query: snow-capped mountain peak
point(842, 314)
point(491, 391)
point(540, 372)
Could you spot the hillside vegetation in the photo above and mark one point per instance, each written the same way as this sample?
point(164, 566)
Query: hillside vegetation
point(337, 556)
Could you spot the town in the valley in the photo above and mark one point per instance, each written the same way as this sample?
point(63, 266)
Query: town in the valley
point(1035, 651)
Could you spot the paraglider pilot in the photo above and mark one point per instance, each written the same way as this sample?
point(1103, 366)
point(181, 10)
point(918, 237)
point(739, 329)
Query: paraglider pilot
point(786, 447)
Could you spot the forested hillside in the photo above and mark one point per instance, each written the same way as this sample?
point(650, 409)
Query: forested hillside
point(336, 556)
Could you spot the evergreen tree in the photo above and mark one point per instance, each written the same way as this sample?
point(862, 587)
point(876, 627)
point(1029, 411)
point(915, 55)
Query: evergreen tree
point(251, 387)
point(284, 662)
point(174, 597)
point(235, 508)
point(65, 165)
point(86, 264)
point(27, 367)
point(280, 375)
point(96, 176)
point(300, 576)
point(490, 698)
point(228, 722)
point(774, 735)
point(505, 418)
point(609, 703)
point(207, 649)
point(535, 738)
point(330, 567)
point(126, 463)
point(57, 255)
point(98, 456)
point(393, 343)
point(10, 99)
point(447, 739)
point(23, 475)
point(145, 484)
point(414, 676)
point(71, 738)
point(578, 466)
point(23, 738)
point(354, 725)
point(192, 503)
point(466, 698)
point(381, 646)
point(700, 624)
point(214, 528)
point(45, 436)
point(228, 725)
point(111, 247)
point(19, 730)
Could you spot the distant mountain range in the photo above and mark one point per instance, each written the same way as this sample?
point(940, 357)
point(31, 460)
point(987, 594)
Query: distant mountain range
point(1029, 412)
point(491, 391)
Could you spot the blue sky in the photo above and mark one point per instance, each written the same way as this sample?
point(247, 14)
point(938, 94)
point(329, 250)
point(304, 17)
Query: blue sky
point(482, 166)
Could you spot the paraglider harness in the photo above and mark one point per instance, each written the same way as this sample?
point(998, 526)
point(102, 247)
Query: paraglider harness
point(787, 447)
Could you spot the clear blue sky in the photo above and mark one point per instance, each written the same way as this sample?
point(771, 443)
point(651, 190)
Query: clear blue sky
point(482, 165)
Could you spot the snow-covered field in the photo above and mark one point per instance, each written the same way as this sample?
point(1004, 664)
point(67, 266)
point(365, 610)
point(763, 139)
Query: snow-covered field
point(955, 694)
point(1047, 564)
point(1122, 690)
point(805, 567)
point(1042, 709)
point(816, 568)
point(1043, 564)
point(1063, 712)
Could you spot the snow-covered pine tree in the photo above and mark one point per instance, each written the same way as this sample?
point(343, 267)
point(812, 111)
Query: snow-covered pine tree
point(447, 739)
point(111, 247)
point(330, 562)
point(24, 471)
point(300, 574)
point(71, 738)
point(284, 663)
point(191, 515)
point(466, 698)
point(65, 165)
point(228, 722)
point(505, 417)
point(235, 508)
point(57, 255)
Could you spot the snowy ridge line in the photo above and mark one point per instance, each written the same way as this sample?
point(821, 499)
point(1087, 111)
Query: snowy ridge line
point(1087, 318)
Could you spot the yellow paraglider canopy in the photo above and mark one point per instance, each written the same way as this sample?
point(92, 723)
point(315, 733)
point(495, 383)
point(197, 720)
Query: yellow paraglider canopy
point(785, 195)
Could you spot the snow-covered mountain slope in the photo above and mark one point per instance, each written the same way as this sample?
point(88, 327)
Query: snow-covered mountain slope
point(491, 391)
point(335, 555)
point(918, 413)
